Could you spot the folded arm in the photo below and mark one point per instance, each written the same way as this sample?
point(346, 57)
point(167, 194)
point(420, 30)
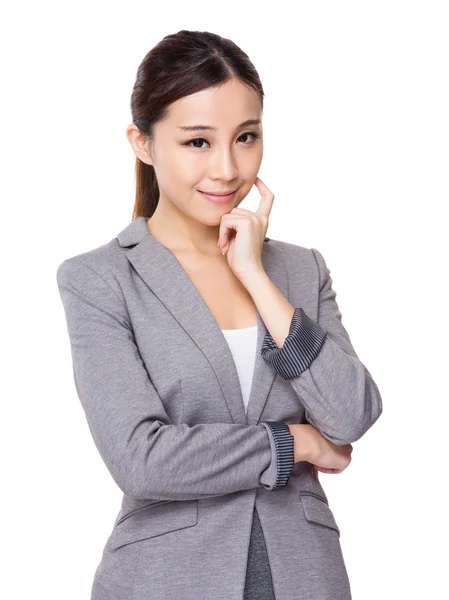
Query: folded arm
point(340, 397)
point(147, 456)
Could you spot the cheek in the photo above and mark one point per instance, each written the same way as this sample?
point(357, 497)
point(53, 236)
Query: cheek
point(188, 171)
point(250, 168)
point(177, 172)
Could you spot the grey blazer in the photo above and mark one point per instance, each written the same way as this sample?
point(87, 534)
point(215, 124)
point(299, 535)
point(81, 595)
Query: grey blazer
point(162, 399)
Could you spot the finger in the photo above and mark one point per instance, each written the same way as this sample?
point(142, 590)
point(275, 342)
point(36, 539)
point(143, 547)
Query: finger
point(228, 223)
point(327, 470)
point(251, 215)
point(266, 198)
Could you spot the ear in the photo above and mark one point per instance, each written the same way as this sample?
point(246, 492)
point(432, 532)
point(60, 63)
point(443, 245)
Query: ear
point(139, 143)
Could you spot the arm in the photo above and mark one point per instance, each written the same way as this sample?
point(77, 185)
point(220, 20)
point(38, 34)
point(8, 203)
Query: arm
point(147, 456)
point(340, 397)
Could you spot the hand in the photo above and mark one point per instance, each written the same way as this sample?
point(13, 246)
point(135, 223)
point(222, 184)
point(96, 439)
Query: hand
point(311, 446)
point(242, 233)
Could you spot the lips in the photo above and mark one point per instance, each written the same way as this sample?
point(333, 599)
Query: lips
point(217, 193)
point(218, 198)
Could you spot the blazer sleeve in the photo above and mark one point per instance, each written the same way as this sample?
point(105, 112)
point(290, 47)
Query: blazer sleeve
point(148, 457)
point(340, 397)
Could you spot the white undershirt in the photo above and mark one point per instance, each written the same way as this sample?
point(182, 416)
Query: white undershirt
point(243, 344)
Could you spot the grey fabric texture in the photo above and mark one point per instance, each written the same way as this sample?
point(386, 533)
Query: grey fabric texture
point(162, 399)
point(259, 582)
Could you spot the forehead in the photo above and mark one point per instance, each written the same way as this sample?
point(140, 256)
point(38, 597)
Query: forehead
point(223, 107)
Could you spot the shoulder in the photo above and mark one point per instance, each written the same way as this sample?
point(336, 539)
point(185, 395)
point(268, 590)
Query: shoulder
point(98, 266)
point(298, 256)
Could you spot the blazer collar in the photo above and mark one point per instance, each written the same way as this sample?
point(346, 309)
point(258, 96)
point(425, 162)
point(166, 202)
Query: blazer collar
point(162, 272)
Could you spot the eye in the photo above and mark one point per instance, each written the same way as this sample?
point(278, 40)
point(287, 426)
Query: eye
point(253, 133)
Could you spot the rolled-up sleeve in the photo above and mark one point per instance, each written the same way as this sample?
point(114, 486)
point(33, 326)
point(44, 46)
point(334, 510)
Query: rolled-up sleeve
point(284, 448)
point(302, 345)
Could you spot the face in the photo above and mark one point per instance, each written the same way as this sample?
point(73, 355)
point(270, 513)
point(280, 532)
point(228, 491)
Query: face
point(224, 157)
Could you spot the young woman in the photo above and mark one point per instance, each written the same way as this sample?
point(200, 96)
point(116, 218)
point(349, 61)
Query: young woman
point(211, 360)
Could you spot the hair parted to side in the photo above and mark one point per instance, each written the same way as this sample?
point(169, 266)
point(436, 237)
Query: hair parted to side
point(180, 64)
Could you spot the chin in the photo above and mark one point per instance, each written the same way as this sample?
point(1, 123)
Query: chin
point(212, 221)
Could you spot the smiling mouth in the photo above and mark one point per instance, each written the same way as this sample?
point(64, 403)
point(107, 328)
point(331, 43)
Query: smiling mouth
point(218, 193)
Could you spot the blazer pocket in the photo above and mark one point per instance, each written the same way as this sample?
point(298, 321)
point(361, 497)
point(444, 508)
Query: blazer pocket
point(153, 520)
point(317, 510)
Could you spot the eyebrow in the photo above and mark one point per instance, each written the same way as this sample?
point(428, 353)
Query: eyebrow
point(209, 128)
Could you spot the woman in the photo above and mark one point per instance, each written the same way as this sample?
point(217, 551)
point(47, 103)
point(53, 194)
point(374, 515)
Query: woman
point(211, 361)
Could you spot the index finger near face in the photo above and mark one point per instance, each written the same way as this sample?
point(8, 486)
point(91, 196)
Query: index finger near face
point(266, 199)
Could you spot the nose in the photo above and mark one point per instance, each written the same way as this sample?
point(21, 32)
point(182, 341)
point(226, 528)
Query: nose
point(223, 165)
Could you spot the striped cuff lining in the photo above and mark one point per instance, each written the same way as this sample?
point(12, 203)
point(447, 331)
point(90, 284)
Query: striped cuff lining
point(284, 442)
point(302, 345)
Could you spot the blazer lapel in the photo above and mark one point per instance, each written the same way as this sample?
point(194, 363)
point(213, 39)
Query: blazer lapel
point(164, 275)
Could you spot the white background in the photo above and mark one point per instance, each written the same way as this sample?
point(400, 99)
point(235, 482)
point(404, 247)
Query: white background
point(356, 138)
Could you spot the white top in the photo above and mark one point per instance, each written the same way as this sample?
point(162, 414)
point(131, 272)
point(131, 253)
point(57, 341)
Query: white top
point(243, 344)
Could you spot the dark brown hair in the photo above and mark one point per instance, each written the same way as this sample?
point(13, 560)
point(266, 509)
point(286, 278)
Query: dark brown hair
point(179, 65)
